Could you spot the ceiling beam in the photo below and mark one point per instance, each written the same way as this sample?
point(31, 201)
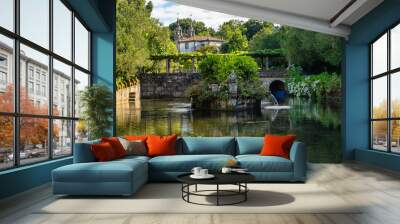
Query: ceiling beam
point(346, 12)
point(270, 15)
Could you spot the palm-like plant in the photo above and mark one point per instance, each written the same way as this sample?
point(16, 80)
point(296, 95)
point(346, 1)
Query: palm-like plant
point(97, 103)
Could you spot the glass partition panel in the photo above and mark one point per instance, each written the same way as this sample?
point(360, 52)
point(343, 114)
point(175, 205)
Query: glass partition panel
point(395, 95)
point(379, 98)
point(395, 47)
point(62, 89)
point(62, 138)
point(395, 136)
point(6, 142)
point(62, 29)
point(34, 78)
point(6, 74)
point(7, 14)
point(379, 56)
point(81, 45)
point(81, 82)
point(33, 140)
point(34, 21)
point(379, 135)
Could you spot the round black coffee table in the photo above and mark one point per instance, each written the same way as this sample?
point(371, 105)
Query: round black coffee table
point(238, 179)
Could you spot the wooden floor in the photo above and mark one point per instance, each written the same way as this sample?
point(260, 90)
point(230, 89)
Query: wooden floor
point(378, 189)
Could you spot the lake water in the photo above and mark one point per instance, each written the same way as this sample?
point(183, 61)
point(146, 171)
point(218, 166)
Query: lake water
point(316, 124)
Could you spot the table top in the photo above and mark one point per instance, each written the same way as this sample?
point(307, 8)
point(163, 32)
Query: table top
point(220, 178)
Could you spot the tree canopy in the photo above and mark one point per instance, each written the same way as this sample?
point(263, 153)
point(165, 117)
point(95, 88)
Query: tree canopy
point(267, 38)
point(314, 52)
point(139, 36)
point(251, 27)
point(198, 26)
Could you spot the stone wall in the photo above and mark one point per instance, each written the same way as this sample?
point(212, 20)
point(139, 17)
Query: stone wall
point(166, 85)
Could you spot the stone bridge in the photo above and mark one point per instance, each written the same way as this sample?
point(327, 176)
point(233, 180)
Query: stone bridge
point(162, 85)
point(274, 79)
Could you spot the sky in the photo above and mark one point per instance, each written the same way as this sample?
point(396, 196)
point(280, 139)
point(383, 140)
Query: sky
point(167, 12)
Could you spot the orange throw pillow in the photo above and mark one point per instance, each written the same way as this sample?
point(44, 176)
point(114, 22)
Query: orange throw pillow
point(116, 145)
point(161, 145)
point(103, 152)
point(275, 145)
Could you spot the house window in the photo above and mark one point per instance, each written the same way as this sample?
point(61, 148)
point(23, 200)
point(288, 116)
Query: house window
point(30, 87)
point(37, 75)
point(30, 72)
point(55, 35)
point(186, 45)
point(3, 70)
point(38, 89)
point(3, 61)
point(44, 91)
point(44, 77)
point(385, 95)
point(3, 78)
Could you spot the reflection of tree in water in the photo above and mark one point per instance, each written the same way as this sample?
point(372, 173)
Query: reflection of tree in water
point(318, 125)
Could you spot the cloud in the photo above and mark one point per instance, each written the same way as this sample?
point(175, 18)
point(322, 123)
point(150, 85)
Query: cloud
point(167, 12)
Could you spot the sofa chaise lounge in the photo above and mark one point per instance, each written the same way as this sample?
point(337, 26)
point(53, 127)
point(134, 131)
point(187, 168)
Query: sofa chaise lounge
point(125, 176)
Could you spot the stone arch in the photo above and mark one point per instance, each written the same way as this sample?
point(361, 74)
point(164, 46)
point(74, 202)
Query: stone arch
point(278, 89)
point(277, 85)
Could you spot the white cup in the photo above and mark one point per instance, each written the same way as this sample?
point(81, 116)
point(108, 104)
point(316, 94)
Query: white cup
point(226, 170)
point(203, 172)
point(196, 171)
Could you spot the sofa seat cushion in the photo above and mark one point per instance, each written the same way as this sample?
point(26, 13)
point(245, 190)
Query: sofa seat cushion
point(133, 157)
point(112, 171)
point(257, 163)
point(185, 163)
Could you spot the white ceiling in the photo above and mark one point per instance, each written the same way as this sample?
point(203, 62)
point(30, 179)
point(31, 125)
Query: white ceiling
point(315, 15)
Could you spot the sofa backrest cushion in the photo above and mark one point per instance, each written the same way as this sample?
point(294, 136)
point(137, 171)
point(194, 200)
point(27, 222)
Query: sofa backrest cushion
point(249, 145)
point(206, 145)
point(83, 152)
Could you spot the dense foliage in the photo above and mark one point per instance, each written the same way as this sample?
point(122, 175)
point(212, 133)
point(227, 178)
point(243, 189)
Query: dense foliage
point(314, 52)
point(142, 42)
point(322, 86)
point(97, 103)
point(267, 38)
point(138, 36)
point(216, 69)
point(198, 26)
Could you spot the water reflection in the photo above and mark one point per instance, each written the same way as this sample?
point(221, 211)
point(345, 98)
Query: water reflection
point(318, 125)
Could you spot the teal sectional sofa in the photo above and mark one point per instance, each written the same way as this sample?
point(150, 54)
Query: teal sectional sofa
point(125, 176)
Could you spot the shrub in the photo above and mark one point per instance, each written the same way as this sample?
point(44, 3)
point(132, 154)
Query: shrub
point(97, 103)
point(217, 68)
point(320, 87)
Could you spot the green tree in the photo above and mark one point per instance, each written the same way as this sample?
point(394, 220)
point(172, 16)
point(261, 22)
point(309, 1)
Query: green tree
point(237, 42)
point(267, 38)
point(227, 29)
point(138, 36)
point(314, 52)
point(252, 26)
point(198, 26)
point(132, 21)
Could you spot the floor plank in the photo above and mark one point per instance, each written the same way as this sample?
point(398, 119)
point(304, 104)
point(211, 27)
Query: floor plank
point(377, 190)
